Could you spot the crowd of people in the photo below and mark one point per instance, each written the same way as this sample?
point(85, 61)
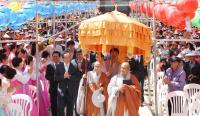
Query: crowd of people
point(179, 60)
point(186, 54)
point(71, 82)
point(63, 73)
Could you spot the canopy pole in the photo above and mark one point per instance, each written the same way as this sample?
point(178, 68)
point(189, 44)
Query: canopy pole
point(37, 58)
point(154, 66)
point(54, 17)
point(66, 22)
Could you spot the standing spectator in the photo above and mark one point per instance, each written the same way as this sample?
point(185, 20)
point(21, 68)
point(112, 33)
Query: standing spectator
point(113, 64)
point(138, 69)
point(76, 71)
point(50, 75)
point(71, 48)
point(13, 50)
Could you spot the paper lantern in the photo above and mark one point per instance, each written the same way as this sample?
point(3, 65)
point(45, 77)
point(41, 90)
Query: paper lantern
point(46, 10)
point(187, 6)
point(174, 16)
point(69, 7)
point(3, 20)
point(21, 19)
point(31, 13)
point(190, 15)
point(6, 14)
point(82, 7)
point(58, 9)
point(144, 8)
point(163, 11)
point(12, 17)
point(64, 8)
point(157, 11)
point(133, 5)
point(150, 9)
point(4, 9)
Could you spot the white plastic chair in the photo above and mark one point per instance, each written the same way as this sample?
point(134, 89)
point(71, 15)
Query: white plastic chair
point(194, 108)
point(13, 109)
point(190, 91)
point(160, 75)
point(177, 100)
point(33, 91)
point(25, 102)
point(162, 100)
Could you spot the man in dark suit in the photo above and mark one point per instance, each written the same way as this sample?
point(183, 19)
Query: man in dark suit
point(138, 68)
point(76, 70)
point(61, 78)
point(53, 75)
point(192, 69)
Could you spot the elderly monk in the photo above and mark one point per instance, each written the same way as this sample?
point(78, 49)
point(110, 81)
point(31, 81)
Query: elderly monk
point(96, 80)
point(124, 93)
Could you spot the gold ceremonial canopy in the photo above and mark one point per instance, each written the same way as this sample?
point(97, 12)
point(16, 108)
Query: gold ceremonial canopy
point(115, 29)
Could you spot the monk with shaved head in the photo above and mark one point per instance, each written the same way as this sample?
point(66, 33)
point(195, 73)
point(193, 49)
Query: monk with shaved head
point(124, 93)
point(96, 81)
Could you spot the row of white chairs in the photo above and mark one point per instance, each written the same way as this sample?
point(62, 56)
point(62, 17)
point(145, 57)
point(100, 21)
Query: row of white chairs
point(22, 104)
point(184, 103)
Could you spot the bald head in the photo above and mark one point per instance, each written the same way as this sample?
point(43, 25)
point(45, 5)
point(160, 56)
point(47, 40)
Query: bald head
point(125, 65)
point(97, 67)
point(96, 63)
point(125, 68)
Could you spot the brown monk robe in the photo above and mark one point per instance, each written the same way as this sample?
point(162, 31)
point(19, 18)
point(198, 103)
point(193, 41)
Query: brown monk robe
point(96, 80)
point(126, 88)
point(91, 109)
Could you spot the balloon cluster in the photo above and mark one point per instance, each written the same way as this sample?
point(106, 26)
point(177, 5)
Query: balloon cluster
point(170, 13)
point(14, 19)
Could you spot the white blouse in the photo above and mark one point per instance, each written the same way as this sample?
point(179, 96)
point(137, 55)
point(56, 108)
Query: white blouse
point(4, 96)
point(22, 77)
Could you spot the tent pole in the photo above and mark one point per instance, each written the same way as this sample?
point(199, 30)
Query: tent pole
point(154, 66)
point(37, 58)
point(54, 17)
point(66, 22)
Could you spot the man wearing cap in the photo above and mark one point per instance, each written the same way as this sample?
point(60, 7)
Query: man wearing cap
point(124, 93)
point(175, 78)
point(175, 75)
point(58, 46)
point(97, 82)
point(191, 68)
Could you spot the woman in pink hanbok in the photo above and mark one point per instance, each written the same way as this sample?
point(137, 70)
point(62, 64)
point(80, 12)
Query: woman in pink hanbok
point(43, 104)
point(21, 79)
point(6, 73)
point(44, 83)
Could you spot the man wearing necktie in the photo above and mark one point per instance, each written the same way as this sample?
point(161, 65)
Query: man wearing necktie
point(76, 71)
point(51, 76)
